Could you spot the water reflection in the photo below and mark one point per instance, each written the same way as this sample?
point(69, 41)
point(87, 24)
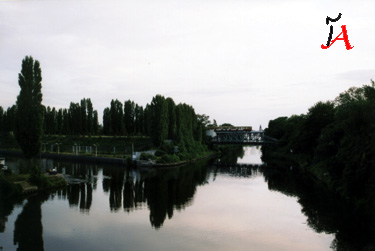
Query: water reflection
point(28, 229)
point(163, 191)
point(325, 211)
point(113, 182)
point(7, 205)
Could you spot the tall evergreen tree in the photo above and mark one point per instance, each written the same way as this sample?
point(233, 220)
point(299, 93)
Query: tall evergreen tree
point(10, 119)
point(138, 119)
point(129, 111)
point(90, 117)
point(75, 118)
point(29, 117)
point(117, 117)
point(172, 126)
point(2, 119)
point(59, 121)
point(159, 120)
point(95, 126)
point(107, 121)
point(66, 122)
point(83, 108)
point(147, 120)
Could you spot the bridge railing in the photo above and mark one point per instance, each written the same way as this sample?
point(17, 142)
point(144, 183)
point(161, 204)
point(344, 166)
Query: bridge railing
point(242, 137)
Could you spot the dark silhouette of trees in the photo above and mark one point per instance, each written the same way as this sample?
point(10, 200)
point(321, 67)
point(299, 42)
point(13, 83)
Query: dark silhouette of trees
point(117, 124)
point(161, 120)
point(79, 119)
point(335, 141)
point(129, 117)
point(158, 120)
point(29, 112)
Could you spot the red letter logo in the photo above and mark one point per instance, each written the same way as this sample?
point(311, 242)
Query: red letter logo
point(345, 38)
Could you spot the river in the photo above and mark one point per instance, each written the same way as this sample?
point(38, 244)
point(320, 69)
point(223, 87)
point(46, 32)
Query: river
point(203, 206)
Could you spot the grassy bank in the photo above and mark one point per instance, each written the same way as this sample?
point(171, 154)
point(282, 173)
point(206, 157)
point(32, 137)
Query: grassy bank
point(21, 184)
point(103, 146)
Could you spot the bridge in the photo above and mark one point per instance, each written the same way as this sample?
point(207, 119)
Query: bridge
point(239, 135)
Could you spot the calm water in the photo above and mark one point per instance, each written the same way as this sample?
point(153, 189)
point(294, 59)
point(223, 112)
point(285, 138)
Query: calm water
point(197, 207)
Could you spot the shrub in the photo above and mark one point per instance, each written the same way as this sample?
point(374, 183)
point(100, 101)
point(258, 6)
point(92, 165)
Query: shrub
point(147, 156)
point(160, 153)
point(167, 158)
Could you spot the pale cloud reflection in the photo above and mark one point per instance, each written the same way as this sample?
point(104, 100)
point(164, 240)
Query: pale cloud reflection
point(256, 225)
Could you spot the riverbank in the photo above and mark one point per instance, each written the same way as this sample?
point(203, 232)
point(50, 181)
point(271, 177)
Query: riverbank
point(102, 146)
point(322, 173)
point(20, 184)
point(107, 160)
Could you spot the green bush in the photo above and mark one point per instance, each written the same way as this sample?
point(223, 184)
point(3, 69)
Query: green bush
point(147, 156)
point(38, 179)
point(168, 148)
point(167, 158)
point(185, 156)
point(160, 153)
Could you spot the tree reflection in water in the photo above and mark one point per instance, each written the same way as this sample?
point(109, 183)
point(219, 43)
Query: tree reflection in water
point(6, 207)
point(169, 189)
point(325, 211)
point(28, 229)
point(163, 190)
point(113, 182)
point(80, 191)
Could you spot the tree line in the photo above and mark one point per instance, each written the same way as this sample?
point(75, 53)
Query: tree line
point(168, 125)
point(78, 119)
point(335, 141)
point(162, 119)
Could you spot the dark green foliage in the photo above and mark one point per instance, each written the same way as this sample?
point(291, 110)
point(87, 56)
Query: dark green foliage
point(37, 178)
point(167, 158)
point(66, 122)
point(95, 123)
point(75, 120)
point(2, 113)
point(166, 123)
point(9, 119)
point(160, 153)
point(318, 117)
point(335, 141)
point(147, 156)
point(59, 120)
point(119, 121)
point(129, 116)
point(158, 120)
point(50, 120)
point(138, 120)
point(117, 114)
point(172, 126)
point(107, 121)
point(29, 113)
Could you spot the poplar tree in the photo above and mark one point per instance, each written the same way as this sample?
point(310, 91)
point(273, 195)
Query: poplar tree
point(29, 113)
point(159, 120)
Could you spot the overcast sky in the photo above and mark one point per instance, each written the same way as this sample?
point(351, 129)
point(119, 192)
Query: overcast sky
point(242, 62)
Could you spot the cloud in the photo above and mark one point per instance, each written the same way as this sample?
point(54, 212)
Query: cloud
point(357, 76)
point(215, 55)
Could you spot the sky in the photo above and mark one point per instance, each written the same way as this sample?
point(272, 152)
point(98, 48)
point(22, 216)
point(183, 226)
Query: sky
point(239, 62)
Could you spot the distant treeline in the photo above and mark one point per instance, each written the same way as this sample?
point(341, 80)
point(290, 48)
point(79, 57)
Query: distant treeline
point(78, 119)
point(162, 119)
point(335, 140)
